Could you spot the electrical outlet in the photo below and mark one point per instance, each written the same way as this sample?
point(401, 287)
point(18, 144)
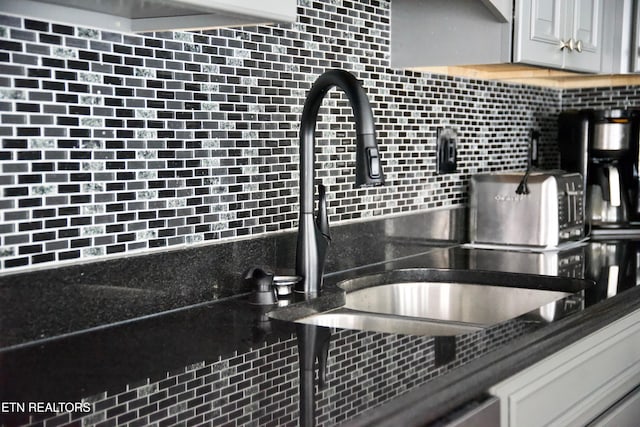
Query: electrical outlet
point(534, 141)
point(446, 150)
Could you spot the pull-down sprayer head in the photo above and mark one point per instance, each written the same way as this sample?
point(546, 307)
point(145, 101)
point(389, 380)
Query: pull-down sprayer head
point(368, 168)
point(313, 242)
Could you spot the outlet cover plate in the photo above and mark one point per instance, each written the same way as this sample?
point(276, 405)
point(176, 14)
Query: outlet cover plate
point(446, 150)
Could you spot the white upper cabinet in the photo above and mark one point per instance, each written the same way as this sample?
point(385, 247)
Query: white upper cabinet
point(155, 15)
point(446, 32)
point(559, 33)
point(587, 29)
point(539, 28)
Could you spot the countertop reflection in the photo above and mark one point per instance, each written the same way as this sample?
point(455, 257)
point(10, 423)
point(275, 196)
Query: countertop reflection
point(227, 362)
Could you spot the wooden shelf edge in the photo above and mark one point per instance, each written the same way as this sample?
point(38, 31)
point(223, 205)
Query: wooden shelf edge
point(534, 76)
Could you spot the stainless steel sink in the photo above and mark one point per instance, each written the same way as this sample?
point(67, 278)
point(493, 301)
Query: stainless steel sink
point(458, 302)
point(443, 302)
point(347, 319)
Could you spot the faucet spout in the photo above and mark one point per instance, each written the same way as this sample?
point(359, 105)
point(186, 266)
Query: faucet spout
point(312, 241)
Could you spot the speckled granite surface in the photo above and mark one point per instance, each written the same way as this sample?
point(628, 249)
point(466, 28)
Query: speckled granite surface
point(227, 362)
point(48, 303)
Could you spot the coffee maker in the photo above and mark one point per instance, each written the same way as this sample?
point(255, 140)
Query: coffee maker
point(603, 146)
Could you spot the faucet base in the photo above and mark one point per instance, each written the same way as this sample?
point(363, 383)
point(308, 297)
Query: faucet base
point(310, 256)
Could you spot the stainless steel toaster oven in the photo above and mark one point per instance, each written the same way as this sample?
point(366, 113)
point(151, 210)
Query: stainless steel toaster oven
point(551, 213)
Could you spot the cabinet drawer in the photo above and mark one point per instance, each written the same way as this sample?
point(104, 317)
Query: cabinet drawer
point(575, 385)
point(625, 413)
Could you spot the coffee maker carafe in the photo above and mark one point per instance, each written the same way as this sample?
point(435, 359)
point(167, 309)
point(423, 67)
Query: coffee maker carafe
point(607, 204)
point(603, 146)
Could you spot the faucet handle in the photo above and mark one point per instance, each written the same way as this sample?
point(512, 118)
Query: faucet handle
point(322, 219)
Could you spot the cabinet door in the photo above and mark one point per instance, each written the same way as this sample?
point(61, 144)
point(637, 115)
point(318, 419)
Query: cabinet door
point(539, 28)
point(586, 28)
point(577, 384)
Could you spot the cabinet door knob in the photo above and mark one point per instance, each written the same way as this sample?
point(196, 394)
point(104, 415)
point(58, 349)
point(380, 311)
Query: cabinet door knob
point(568, 44)
point(578, 46)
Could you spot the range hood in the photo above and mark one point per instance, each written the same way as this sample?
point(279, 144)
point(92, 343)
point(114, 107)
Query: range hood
point(501, 9)
point(154, 15)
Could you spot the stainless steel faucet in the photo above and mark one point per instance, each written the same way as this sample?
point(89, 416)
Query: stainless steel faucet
point(313, 231)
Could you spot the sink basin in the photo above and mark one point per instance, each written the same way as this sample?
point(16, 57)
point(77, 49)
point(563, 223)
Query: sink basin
point(347, 319)
point(444, 302)
point(458, 302)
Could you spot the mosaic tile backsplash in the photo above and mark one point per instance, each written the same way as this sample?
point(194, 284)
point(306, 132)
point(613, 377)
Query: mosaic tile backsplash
point(114, 144)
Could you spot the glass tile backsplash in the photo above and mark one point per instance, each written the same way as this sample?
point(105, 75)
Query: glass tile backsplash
point(115, 143)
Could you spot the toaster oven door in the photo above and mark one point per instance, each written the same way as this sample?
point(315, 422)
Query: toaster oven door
point(500, 216)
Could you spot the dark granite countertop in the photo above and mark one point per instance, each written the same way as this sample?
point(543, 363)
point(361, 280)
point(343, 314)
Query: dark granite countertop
point(227, 362)
point(47, 303)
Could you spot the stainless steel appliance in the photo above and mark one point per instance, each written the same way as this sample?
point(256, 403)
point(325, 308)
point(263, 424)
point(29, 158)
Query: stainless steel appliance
point(607, 198)
point(603, 146)
point(613, 266)
point(568, 262)
point(565, 263)
point(551, 213)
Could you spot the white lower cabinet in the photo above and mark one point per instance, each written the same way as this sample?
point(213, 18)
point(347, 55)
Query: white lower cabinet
point(626, 412)
point(578, 384)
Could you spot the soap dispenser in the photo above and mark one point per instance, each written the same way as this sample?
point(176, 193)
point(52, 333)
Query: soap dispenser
point(261, 282)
